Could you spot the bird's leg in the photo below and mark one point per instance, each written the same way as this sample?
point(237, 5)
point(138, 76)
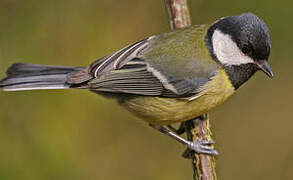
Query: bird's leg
point(200, 147)
point(179, 131)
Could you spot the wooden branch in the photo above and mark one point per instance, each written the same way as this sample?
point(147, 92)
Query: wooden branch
point(198, 128)
point(178, 14)
point(204, 166)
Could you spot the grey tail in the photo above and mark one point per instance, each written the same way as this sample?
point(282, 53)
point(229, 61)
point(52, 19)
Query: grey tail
point(22, 76)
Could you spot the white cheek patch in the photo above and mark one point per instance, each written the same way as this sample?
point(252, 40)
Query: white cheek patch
point(227, 51)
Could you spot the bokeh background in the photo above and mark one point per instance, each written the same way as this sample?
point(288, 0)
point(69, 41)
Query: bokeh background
point(75, 134)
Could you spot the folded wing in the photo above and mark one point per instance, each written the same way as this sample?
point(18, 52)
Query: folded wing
point(127, 71)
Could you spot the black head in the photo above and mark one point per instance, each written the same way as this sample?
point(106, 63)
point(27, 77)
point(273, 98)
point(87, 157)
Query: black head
point(250, 33)
point(242, 40)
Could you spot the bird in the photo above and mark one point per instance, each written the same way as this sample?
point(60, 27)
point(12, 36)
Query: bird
point(167, 78)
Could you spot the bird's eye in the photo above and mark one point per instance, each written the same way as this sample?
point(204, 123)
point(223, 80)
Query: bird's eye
point(246, 50)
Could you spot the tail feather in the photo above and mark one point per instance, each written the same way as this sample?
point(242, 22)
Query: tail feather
point(21, 76)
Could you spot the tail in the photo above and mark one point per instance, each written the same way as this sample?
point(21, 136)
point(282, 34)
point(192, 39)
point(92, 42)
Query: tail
point(21, 76)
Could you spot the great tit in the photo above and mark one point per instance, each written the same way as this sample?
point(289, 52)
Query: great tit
point(166, 78)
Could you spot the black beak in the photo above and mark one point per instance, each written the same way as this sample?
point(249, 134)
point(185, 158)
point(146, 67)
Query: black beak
point(265, 67)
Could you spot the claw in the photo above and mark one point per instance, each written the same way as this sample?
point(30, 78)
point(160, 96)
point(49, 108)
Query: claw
point(199, 147)
point(205, 142)
point(202, 147)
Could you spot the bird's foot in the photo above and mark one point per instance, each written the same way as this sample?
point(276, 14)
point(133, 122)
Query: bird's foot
point(200, 147)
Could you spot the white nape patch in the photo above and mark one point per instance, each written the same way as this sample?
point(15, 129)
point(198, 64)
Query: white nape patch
point(227, 51)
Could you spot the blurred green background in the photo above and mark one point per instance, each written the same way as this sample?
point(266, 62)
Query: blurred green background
point(75, 134)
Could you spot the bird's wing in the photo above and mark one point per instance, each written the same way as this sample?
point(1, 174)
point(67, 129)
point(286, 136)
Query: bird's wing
point(145, 69)
point(132, 78)
point(108, 63)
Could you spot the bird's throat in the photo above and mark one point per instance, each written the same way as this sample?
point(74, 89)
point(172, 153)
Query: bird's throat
point(239, 74)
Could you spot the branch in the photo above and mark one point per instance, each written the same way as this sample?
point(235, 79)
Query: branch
point(204, 166)
point(197, 128)
point(178, 14)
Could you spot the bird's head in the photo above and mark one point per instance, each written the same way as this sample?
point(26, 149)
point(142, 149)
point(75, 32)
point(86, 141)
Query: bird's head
point(239, 41)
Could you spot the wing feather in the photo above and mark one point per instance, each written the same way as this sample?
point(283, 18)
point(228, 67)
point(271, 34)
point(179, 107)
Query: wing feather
point(131, 80)
point(134, 70)
point(118, 59)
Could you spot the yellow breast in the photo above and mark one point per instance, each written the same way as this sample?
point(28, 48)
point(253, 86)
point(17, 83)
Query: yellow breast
point(157, 110)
